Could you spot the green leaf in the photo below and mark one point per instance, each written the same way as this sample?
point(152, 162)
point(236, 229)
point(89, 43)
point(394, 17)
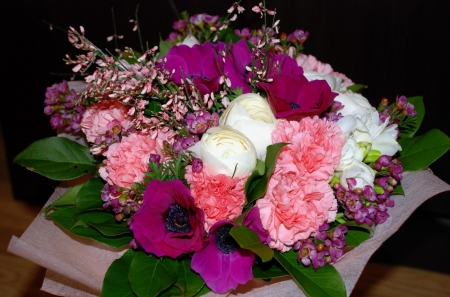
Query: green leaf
point(398, 190)
point(205, 290)
point(164, 47)
point(355, 236)
point(65, 218)
point(57, 158)
point(105, 223)
point(248, 239)
point(326, 281)
point(67, 199)
point(420, 152)
point(256, 183)
point(190, 281)
point(115, 283)
point(89, 196)
point(419, 107)
point(356, 88)
point(150, 275)
point(271, 269)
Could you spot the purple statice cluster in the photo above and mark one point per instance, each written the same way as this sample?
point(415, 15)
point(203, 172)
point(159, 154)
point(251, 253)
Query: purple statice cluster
point(326, 246)
point(63, 106)
point(333, 114)
point(202, 26)
point(369, 205)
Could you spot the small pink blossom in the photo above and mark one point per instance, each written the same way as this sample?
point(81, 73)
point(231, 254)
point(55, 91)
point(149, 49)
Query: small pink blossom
point(220, 197)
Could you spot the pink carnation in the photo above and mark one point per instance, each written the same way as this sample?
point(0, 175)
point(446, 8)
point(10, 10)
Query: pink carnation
point(314, 150)
point(98, 115)
point(127, 160)
point(220, 197)
point(293, 208)
point(309, 62)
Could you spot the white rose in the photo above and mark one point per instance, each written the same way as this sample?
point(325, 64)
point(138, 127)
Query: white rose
point(251, 115)
point(334, 82)
point(225, 150)
point(354, 104)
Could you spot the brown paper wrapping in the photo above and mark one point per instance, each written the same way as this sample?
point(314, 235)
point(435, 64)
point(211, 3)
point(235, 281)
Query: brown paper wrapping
point(76, 266)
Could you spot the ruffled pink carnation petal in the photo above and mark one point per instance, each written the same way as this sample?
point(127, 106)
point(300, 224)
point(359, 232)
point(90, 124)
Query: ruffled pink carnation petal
point(127, 161)
point(98, 115)
point(293, 208)
point(220, 197)
point(314, 150)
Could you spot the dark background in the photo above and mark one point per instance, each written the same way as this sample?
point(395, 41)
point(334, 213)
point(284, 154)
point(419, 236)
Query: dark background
point(396, 47)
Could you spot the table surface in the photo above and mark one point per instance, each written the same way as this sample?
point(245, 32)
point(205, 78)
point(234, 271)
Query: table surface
point(20, 277)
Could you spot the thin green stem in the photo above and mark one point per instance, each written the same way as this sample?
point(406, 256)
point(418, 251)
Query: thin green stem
point(114, 27)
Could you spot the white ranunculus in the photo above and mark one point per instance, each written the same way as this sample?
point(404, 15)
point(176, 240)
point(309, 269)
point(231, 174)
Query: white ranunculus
point(354, 104)
point(190, 41)
point(370, 133)
point(334, 82)
point(251, 115)
point(225, 150)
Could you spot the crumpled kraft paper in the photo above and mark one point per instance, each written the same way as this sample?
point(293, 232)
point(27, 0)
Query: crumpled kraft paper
point(76, 266)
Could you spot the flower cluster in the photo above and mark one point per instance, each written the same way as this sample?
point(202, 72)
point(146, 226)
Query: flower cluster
point(213, 142)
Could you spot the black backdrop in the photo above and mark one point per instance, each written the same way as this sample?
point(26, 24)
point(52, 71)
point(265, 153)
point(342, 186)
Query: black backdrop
point(396, 47)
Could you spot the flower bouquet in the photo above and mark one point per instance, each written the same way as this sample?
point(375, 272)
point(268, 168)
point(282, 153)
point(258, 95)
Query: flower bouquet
point(221, 158)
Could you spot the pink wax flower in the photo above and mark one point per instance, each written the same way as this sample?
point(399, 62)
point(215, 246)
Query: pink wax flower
point(314, 150)
point(168, 223)
point(99, 119)
point(127, 160)
point(221, 197)
point(293, 208)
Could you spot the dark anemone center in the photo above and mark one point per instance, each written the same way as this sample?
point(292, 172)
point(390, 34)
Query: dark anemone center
point(294, 105)
point(178, 219)
point(224, 241)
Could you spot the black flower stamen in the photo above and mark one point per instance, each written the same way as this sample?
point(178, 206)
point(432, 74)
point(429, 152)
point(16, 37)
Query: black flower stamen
point(294, 105)
point(178, 219)
point(224, 241)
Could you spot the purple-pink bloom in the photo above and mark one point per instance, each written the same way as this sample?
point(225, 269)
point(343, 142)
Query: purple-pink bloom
point(168, 222)
point(222, 263)
point(291, 96)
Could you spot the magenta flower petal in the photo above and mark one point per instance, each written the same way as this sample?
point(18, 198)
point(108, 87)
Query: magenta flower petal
point(168, 223)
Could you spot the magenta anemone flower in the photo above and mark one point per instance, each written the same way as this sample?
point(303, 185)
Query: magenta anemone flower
point(168, 223)
point(291, 96)
point(222, 263)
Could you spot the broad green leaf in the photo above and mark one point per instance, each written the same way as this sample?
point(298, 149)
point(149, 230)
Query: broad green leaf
point(205, 290)
point(89, 196)
point(172, 291)
point(105, 223)
point(355, 236)
point(150, 275)
point(115, 283)
point(256, 184)
point(325, 282)
point(57, 158)
point(271, 269)
point(190, 282)
point(420, 152)
point(356, 88)
point(164, 47)
point(419, 107)
point(67, 199)
point(65, 218)
point(248, 239)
